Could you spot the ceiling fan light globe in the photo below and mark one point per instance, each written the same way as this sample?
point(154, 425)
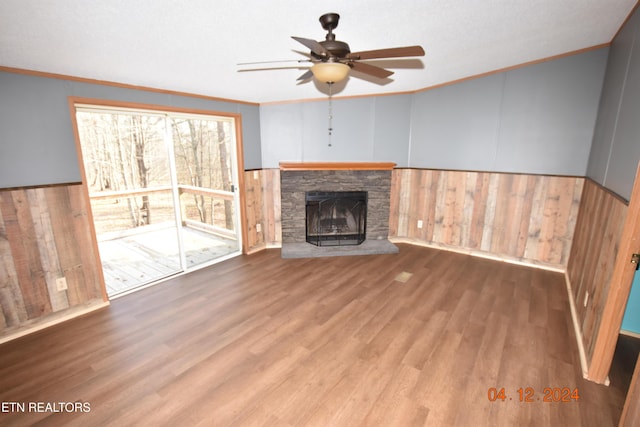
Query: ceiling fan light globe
point(330, 72)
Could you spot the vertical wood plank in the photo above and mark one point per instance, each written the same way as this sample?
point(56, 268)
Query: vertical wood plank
point(415, 203)
point(536, 218)
point(274, 219)
point(526, 218)
point(12, 305)
point(259, 214)
point(512, 214)
point(488, 228)
point(467, 209)
point(480, 199)
point(573, 218)
point(458, 219)
point(47, 247)
point(422, 200)
point(517, 215)
point(439, 208)
point(394, 202)
point(448, 213)
point(250, 197)
point(575, 266)
point(499, 242)
point(548, 219)
point(59, 206)
point(433, 180)
point(88, 260)
point(24, 249)
point(253, 198)
point(560, 216)
point(403, 202)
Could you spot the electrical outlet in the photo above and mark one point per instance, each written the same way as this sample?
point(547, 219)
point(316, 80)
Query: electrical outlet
point(61, 283)
point(255, 175)
point(586, 298)
point(258, 228)
point(419, 223)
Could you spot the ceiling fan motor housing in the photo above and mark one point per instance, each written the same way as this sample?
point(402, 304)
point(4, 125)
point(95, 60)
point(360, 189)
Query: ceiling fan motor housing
point(336, 48)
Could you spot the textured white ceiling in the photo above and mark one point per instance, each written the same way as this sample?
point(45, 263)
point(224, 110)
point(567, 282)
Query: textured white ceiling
point(194, 45)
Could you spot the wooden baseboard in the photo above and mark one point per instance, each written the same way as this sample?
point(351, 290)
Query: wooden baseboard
point(475, 253)
point(416, 242)
point(576, 327)
point(262, 247)
point(53, 319)
point(256, 249)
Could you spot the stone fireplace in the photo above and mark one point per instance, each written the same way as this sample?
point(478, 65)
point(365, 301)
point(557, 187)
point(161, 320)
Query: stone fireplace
point(297, 180)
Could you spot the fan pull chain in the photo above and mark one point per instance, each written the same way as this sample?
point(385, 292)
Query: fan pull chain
point(330, 112)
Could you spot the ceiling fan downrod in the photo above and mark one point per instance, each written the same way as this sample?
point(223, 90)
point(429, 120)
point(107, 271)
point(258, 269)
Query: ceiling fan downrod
point(330, 112)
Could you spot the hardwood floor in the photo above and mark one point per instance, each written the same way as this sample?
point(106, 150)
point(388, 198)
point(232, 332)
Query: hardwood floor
point(260, 340)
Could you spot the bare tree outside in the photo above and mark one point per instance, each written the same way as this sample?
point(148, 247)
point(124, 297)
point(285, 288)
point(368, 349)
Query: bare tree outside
point(126, 151)
point(202, 160)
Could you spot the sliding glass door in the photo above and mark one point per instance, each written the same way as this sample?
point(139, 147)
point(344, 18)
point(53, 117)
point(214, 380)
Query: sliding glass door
point(204, 161)
point(161, 187)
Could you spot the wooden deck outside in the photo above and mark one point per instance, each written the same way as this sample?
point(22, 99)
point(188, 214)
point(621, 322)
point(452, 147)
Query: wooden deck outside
point(138, 259)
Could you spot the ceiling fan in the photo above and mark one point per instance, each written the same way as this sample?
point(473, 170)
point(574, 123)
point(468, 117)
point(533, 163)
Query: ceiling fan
point(332, 59)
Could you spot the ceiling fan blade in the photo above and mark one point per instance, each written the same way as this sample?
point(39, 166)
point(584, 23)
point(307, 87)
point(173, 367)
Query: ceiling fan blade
point(394, 52)
point(292, 67)
point(274, 62)
point(371, 70)
point(307, 75)
point(313, 45)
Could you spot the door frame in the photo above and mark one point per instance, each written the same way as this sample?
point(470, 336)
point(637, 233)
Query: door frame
point(72, 101)
point(619, 288)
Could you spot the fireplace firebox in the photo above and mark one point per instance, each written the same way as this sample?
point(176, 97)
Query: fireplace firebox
point(336, 218)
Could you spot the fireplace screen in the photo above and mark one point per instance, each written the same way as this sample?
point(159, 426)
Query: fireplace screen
point(336, 218)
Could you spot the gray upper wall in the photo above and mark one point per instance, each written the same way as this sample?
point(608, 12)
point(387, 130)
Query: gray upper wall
point(37, 146)
point(364, 129)
point(536, 119)
point(615, 150)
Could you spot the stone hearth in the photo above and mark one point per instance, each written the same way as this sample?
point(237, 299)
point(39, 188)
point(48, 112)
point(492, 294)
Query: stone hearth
point(298, 178)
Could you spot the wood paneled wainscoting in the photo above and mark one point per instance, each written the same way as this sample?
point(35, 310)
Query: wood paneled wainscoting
point(264, 226)
point(524, 218)
point(45, 234)
point(600, 272)
point(513, 217)
point(591, 266)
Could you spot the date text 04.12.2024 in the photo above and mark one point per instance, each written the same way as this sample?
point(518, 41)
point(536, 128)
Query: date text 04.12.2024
point(529, 395)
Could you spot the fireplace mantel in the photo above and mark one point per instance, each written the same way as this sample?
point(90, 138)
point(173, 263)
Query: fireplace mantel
point(346, 166)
